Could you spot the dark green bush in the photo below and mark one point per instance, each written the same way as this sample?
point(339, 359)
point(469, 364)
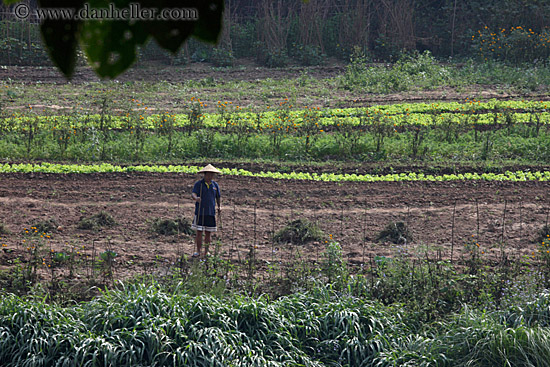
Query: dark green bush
point(222, 57)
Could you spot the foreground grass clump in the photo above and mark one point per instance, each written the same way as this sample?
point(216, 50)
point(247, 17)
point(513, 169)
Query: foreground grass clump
point(146, 325)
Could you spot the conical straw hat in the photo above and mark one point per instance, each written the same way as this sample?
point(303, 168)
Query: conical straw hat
point(209, 168)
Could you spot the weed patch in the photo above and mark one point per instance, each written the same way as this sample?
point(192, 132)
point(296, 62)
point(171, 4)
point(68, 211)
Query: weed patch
point(395, 232)
point(544, 234)
point(45, 226)
point(3, 229)
point(171, 227)
point(299, 232)
point(96, 221)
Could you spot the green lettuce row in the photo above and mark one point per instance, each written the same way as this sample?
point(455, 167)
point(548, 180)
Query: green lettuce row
point(332, 177)
point(211, 121)
point(407, 113)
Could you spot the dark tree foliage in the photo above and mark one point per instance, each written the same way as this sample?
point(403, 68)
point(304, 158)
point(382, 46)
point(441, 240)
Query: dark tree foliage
point(273, 31)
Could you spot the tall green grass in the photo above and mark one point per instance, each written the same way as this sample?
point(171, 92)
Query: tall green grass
point(144, 325)
point(423, 72)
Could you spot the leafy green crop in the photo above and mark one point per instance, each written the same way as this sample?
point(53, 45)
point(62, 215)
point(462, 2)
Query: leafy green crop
point(46, 167)
point(394, 114)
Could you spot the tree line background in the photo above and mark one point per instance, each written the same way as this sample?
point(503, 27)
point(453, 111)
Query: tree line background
point(278, 32)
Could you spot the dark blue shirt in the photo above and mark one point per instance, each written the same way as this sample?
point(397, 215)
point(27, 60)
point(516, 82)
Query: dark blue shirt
point(208, 195)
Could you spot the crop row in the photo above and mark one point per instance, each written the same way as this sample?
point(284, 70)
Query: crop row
point(476, 113)
point(46, 167)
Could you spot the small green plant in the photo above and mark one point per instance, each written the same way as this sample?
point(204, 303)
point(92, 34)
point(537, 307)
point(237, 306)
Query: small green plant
point(473, 255)
point(334, 266)
point(107, 258)
point(30, 132)
point(166, 126)
point(202, 277)
point(204, 139)
point(355, 75)
point(309, 127)
point(195, 115)
point(544, 252)
point(34, 257)
point(418, 134)
point(60, 257)
point(104, 127)
point(108, 255)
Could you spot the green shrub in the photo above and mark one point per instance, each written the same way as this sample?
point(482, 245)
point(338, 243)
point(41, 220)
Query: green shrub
point(515, 45)
point(222, 57)
point(410, 72)
point(309, 55)
point(243, 35)
point(334, 266)
point(271, 58)
point(143, 325)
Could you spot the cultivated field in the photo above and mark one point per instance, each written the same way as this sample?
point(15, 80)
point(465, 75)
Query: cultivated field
point(362, 224)
point(352, 212)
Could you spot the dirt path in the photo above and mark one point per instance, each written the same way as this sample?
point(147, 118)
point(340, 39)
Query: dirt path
point(348, 211)
point(154, 72)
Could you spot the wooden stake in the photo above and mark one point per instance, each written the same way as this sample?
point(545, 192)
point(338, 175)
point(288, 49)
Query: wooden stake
point(364, 232)
point(453, 232)
point(477, 218)
point(272, 230)
point(503, 229)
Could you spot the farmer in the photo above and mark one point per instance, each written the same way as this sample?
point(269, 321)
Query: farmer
point(206, 194)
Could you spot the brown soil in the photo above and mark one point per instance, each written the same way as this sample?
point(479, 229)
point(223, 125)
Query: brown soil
point(348, 211)
point(154, 72)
